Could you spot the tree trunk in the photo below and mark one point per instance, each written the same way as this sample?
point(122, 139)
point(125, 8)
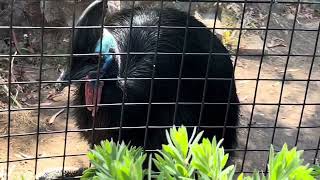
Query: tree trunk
point(33, 12)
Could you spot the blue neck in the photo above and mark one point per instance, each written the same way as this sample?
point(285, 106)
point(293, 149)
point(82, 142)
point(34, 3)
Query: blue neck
point(108, 42)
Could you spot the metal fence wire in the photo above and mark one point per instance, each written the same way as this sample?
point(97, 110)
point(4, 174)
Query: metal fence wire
point(243, 70)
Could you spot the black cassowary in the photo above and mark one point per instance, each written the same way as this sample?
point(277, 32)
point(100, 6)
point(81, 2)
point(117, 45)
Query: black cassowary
point(167, 66)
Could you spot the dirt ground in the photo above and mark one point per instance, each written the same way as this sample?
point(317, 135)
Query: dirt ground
point(247, 67)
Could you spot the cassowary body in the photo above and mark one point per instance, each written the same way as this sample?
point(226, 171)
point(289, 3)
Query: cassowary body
point(167, 65)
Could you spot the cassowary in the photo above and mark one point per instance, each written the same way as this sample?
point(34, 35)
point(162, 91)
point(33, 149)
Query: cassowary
point(178, 60)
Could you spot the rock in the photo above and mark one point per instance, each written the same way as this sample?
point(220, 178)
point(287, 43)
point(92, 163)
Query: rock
point(290, 16)
point(61, 12)
point(252, 44)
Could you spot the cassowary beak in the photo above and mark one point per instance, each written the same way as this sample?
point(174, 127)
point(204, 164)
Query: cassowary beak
point(93, 95)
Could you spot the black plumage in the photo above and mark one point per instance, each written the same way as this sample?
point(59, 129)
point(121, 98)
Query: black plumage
point(167, 65)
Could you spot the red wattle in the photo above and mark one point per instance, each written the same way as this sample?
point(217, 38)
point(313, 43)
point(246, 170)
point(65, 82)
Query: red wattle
point(93, 94)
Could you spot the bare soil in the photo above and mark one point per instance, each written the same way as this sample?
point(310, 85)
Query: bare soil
point(246, 67)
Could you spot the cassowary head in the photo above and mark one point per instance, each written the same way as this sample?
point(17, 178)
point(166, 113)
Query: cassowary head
point(92, 40)
point(106, 45)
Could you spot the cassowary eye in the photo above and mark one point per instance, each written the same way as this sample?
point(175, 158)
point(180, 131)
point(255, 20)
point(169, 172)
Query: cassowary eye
point(111, 50)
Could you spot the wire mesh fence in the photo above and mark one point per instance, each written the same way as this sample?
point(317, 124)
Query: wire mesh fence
point(246, 71)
